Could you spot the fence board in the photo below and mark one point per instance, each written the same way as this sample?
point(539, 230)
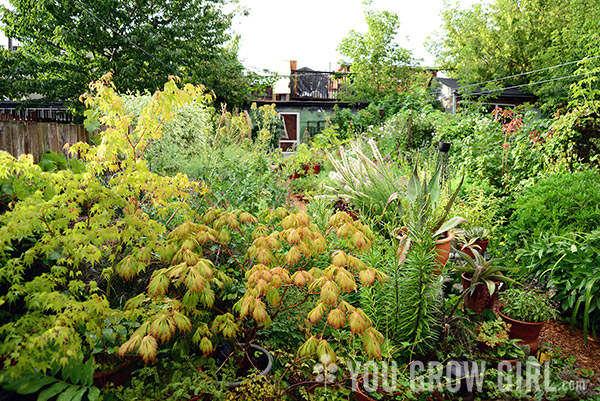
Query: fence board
point(35, 138)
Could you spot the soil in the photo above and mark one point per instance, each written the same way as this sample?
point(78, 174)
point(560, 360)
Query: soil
point(587, 355)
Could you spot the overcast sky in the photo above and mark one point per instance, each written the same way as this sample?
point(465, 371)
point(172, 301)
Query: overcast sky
point(310, 30)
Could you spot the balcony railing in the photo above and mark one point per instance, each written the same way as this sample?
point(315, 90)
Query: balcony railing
point(318, 85)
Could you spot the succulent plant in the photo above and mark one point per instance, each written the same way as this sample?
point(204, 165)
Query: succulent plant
point(483, 271)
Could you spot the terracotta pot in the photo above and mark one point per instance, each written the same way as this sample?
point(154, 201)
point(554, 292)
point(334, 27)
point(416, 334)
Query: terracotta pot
point(442, 248)
point(482, 244)
point(481, 299)
point(301, 198)
point(527, 332)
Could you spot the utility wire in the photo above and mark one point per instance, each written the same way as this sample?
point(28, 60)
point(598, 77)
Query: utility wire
point(531, 72)
point(486, 92)
point(123, 36)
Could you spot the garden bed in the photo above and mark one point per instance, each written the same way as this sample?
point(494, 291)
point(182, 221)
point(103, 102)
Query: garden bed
point(587, 355)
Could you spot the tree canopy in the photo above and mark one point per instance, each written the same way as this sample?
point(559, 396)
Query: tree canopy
point(66, 44)
point(507, 37)
point(379, 66)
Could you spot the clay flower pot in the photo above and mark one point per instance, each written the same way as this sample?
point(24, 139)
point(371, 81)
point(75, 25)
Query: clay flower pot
point(312, 169)
point(481, 299)
point(442, 248)
point(482, 244)
point(527, 332)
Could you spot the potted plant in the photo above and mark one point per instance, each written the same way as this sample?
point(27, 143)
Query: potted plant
point(304, 186)
point(425, 210)
point(471, 238)
point(527, 309)
point(493, 340)
point(481, 280)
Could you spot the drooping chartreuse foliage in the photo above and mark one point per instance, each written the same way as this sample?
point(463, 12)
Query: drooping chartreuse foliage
point(64, 45)
point(63, 246)
point(83, 235)
point(279, 251)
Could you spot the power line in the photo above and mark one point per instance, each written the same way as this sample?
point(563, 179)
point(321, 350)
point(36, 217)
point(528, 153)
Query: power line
point(487, 92)
point(531, 72)
point(123, 36)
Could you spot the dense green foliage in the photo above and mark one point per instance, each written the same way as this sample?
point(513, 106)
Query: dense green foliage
point(65, 45)
point(238, 178)
point(505, 38)
point(556, 205)
point(419, 317)
point(571, 265)
point(379, 64)
point(183, 138)
point(531, 304)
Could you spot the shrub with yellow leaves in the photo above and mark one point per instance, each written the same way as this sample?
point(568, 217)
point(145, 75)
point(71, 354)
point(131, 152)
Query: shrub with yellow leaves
point(272, 254)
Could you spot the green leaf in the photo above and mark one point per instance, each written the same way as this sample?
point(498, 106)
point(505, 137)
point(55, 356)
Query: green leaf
point(450, 224)
point(72, 372)
point(491, 286)
point(87, 373)
point(449, 204)
point(434, 185)
point(79, 394)
point(412, 189)
point(34, 384)
point(93, 394)
point(588, 300)
point(68, 394)
point(52, 391)
point(91, 123)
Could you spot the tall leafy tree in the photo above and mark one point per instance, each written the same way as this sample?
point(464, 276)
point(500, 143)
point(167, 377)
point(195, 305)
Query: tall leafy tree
point(508, 37)
point(68, 43)
point(380, 67)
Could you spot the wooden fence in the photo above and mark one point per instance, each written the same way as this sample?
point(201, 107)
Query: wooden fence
point(22, 137)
